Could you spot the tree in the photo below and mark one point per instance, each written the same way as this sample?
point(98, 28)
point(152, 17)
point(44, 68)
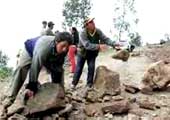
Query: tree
point(4, 70)
point(124, 17)
point(75, 12)
point(3, 59)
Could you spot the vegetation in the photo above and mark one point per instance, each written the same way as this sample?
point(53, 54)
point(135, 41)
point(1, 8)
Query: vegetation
point(75, 12)
point(5, 71)
point(125, 20)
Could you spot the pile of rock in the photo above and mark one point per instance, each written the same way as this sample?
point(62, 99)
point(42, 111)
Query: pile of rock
point(103, 101)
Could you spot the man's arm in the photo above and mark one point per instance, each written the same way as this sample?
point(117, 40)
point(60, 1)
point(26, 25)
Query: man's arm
point(105, 39)
point(86, 43)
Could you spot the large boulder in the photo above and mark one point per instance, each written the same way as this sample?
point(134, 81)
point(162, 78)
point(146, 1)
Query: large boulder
point(106, 83)
point(49, 96)
point(156, 77)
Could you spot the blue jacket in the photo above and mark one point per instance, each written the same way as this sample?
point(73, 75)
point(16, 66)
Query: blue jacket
point(30, 44)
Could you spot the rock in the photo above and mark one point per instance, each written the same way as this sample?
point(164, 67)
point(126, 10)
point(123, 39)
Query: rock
point(17, 117)
point(109, 116)
point(106, 81)
point(49, 96)
point(16, 107)
point(118, 98)
point(133, 117)
point(135, 54)
point(147, 104)
point(145, 89)
point(61, 118)
point(117, 107)
point(162, 118)
point(93, 96)
point(77, 115)
point(55, 116)
point(2, 111)
point(76, 96)
point(107, 98)
point(131, 88)
point(137, 111)
point(67, 109)
point(93, 109)
point(156, 77)
point(47, 118)
point(121, 55)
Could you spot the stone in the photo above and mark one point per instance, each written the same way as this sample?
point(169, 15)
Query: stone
point(77, 115)
point(106, 82)
point(137, 111)
point(93, 109)
point(117, 107)
point(133, 117)
point(55, 116)
point(131, 88)
point(67, 109)
point(162, 118)
point(107, 98)
point(118, 98)
point(49, 96)
point(17, 117)
point(121, 55)
point(2, 111)
point(156, 77)
point(109, 116)
point(16, 107)
point(47, 118)
point(147, 104)
point(135, 54)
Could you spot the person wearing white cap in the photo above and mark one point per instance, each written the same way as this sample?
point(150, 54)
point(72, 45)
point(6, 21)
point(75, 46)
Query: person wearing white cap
point(92, 40)
point(49, 29)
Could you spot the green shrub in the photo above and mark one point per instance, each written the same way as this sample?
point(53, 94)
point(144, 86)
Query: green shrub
point(5, 72)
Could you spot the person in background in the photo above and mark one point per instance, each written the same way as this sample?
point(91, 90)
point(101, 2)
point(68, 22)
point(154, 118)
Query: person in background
point(49, 29)
point(72, 50)
point(44, 23)
point(44, 51)
point(92, 40)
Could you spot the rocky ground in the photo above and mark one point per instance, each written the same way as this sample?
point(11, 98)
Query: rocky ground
point(129, 104)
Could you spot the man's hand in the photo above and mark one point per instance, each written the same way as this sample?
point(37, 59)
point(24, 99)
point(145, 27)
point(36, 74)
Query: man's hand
point(29, 93)
point(102, 47)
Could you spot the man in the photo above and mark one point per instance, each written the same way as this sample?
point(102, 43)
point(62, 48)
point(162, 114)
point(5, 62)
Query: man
point(92, 40)
point(49, 29)
point(44, 23)
point(47, 51)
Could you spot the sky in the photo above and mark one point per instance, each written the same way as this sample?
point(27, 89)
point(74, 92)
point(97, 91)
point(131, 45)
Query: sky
point(21, 19)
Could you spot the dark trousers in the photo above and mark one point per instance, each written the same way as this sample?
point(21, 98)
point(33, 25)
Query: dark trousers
point(80, 64)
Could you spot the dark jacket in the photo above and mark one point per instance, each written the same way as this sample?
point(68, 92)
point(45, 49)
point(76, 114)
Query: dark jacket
point(89, 44)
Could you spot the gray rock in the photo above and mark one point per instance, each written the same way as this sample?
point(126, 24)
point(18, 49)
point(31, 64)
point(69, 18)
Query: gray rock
point(156, 77)
point(117, 107)
point(106, 83)
point(17, 117)
point(49, 96)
